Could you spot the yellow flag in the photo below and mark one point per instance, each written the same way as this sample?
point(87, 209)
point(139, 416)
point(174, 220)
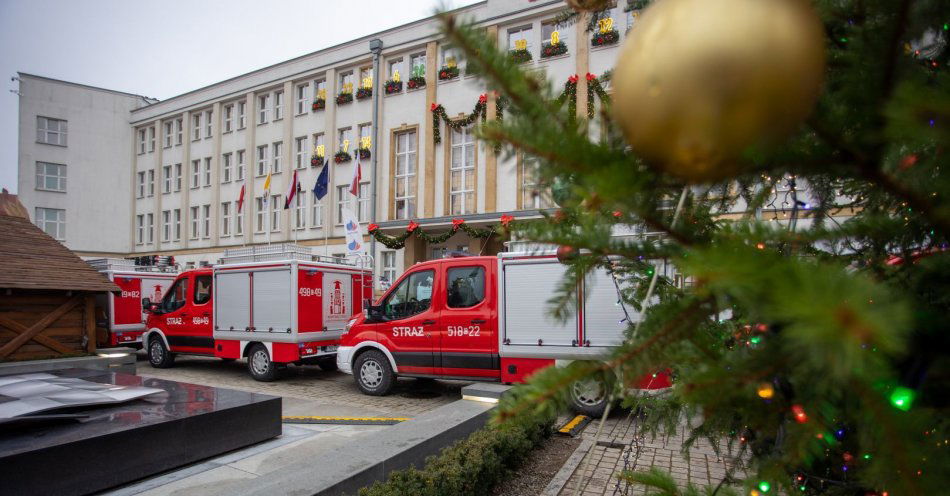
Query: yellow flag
point(267, 183)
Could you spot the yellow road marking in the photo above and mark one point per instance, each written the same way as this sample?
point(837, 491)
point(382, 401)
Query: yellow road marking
point(572, 424)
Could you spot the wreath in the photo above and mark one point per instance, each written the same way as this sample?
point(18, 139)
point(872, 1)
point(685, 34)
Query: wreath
point(316, 160)
point(448, 72)
point(363, 153)
point(553, 50)
point(363, 93)
point(416, 82)
point(393, 87)
point(344, 97)
point(318, 104)
point(521, 56)
point(603, 39)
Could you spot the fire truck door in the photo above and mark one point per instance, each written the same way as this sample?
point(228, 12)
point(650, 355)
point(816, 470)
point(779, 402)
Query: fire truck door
point(409, 321)
point(468, 345)
point(198, 322)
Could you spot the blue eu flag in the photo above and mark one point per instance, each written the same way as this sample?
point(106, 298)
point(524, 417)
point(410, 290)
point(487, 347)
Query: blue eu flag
point(323, 181)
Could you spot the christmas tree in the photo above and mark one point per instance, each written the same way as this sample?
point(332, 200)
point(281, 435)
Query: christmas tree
point(815, 344)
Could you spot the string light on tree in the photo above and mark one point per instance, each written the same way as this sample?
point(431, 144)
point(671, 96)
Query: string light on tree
point(765, 391)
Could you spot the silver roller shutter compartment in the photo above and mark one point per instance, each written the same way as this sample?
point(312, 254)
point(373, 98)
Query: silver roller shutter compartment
point(272, 300)
point(528, 287)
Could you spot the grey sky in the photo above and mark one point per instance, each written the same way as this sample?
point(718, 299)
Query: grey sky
point(164, 48)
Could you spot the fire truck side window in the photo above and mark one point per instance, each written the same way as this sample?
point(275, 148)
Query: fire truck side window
point(177, 296)
point(412, 296)
point(466, 287)
point(202, 289)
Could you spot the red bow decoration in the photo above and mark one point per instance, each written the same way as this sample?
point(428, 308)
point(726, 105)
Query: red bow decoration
point(591, 77)
point(572, 79)
point(434, 107)
point(412, 226)
point(482, 98)
point(506, 219)
point(372, 227)
point(617, 213)
point(457, 223)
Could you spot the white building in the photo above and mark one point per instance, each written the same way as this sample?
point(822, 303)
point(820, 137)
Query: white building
point(74, 167)
point(175, 168)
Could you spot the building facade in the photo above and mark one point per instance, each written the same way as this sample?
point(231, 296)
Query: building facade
point(73, 161)
point(180, 164)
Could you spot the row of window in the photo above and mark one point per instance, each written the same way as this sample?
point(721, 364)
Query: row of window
point(50, 131)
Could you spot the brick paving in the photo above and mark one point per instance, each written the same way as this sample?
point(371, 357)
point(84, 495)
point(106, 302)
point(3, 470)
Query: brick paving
point(597, 474)
point(326, 393)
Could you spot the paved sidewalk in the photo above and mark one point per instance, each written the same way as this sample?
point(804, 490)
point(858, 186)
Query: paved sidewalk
point(597, 474)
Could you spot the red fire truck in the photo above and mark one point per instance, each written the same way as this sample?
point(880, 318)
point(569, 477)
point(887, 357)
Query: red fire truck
point(124, 317)
point(486, 319)
point(274, 305)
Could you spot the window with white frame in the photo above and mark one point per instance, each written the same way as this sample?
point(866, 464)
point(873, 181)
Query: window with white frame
point(177, 177)
point(195, 222)
point(139, 229)
point(366, 76)
point(195, 173)
point(632, 16)
point(207, 171)
point(141, 193)
point(167, 179)
point(417, 65)
point(275, 209)
point(238, 220)
point(226, 168)
point(450, 57)
point(261, 212)
point(462, 172)
point(300, 211)
point(141, 141)
point(533, 195)
point(206, 220)
point(549, 27)
point(517, 34)
point(151, 182)
point(343, 137)
point(150, 227)
point(179, 130)
point(318, 142)
point(278, 105)
point(389, 268)
point(263, 108)
point(345, 82)
point(342, 200)
point(53, 131)
point(242, 115)
point(405, 175)
point(300, 152)
point(362, 213)
point(208, 123)
point(228, 116)
point(240, 165)
point(166, 225)
point(50, 177)
point(366, 132)
point(52, 221)
point(316, 212)
point(320, 89)
point(167, 133)
point(397, 66)
point(151, 139)
point(196, 126)
point(262, 160)
point(278, 155)
point(177, 230)
point(225, 218)
point(302, 94)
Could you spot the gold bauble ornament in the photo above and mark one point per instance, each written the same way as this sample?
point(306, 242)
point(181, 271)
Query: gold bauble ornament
point(587, 5)
point(699, 81)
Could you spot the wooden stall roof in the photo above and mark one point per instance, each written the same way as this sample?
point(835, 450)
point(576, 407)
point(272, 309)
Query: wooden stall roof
point(31, 259)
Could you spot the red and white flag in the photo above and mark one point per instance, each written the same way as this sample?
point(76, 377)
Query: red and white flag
point(241, 199)
point(292, 191)
point(355, 182)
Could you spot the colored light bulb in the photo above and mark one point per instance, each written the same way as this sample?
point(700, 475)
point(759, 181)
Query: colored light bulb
point(765, 391)
point(800, 416)
point(764, 486)
point(902, 398)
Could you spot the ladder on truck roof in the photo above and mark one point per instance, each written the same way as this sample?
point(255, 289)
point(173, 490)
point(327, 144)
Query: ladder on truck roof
point(158, 264)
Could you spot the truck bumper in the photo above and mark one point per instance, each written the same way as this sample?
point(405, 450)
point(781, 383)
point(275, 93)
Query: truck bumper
point(343, 355)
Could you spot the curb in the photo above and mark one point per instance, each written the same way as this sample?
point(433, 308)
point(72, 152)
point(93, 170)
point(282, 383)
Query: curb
point(570, 466)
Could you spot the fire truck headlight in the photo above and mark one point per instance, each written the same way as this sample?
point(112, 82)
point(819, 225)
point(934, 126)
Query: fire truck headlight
point(349, 325)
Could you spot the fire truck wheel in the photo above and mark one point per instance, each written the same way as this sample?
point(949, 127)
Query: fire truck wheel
point(327, 364)
point(158, 355)
point(589, 397)
point(260, 365)
point(373, 374)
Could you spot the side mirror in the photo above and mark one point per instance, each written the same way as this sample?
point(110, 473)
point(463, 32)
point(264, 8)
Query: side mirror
point(147, 304)
point(374, 313)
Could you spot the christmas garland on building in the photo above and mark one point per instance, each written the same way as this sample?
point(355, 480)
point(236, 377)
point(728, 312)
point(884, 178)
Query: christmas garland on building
point(414, 229)
point(439, 114)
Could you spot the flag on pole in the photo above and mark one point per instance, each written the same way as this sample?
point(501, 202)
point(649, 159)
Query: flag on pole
point(323, 181)
point(355, 182)
point(267, 188)
point(292, 191)
point(241, 199)
point(354, 238)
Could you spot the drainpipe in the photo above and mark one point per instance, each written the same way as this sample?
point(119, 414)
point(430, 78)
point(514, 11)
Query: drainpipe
point(375, 46)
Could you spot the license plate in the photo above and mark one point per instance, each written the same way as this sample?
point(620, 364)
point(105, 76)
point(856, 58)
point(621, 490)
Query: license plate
point(331, 348)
